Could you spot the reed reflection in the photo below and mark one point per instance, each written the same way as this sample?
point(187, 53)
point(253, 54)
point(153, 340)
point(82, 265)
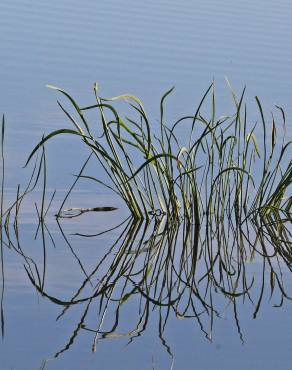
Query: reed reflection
point(170, 268)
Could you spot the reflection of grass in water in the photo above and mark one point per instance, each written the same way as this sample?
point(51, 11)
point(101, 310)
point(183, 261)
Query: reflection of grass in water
point(210, 216)
point(156, 266)
point(162, 265)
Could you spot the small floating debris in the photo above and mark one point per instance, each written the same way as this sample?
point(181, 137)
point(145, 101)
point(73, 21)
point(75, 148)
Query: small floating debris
point(75, 212)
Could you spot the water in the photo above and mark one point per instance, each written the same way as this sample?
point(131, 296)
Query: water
point(141, 48)
point(33, 333)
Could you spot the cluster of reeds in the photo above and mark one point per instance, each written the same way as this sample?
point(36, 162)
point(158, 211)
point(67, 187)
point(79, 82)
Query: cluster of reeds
point(200, 211)
point(222, 171)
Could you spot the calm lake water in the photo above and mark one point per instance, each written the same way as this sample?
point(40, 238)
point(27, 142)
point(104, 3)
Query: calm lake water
point(143, 49)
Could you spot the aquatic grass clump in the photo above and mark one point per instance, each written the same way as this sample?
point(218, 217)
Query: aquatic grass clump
point(221, 172)
point(202, 210)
